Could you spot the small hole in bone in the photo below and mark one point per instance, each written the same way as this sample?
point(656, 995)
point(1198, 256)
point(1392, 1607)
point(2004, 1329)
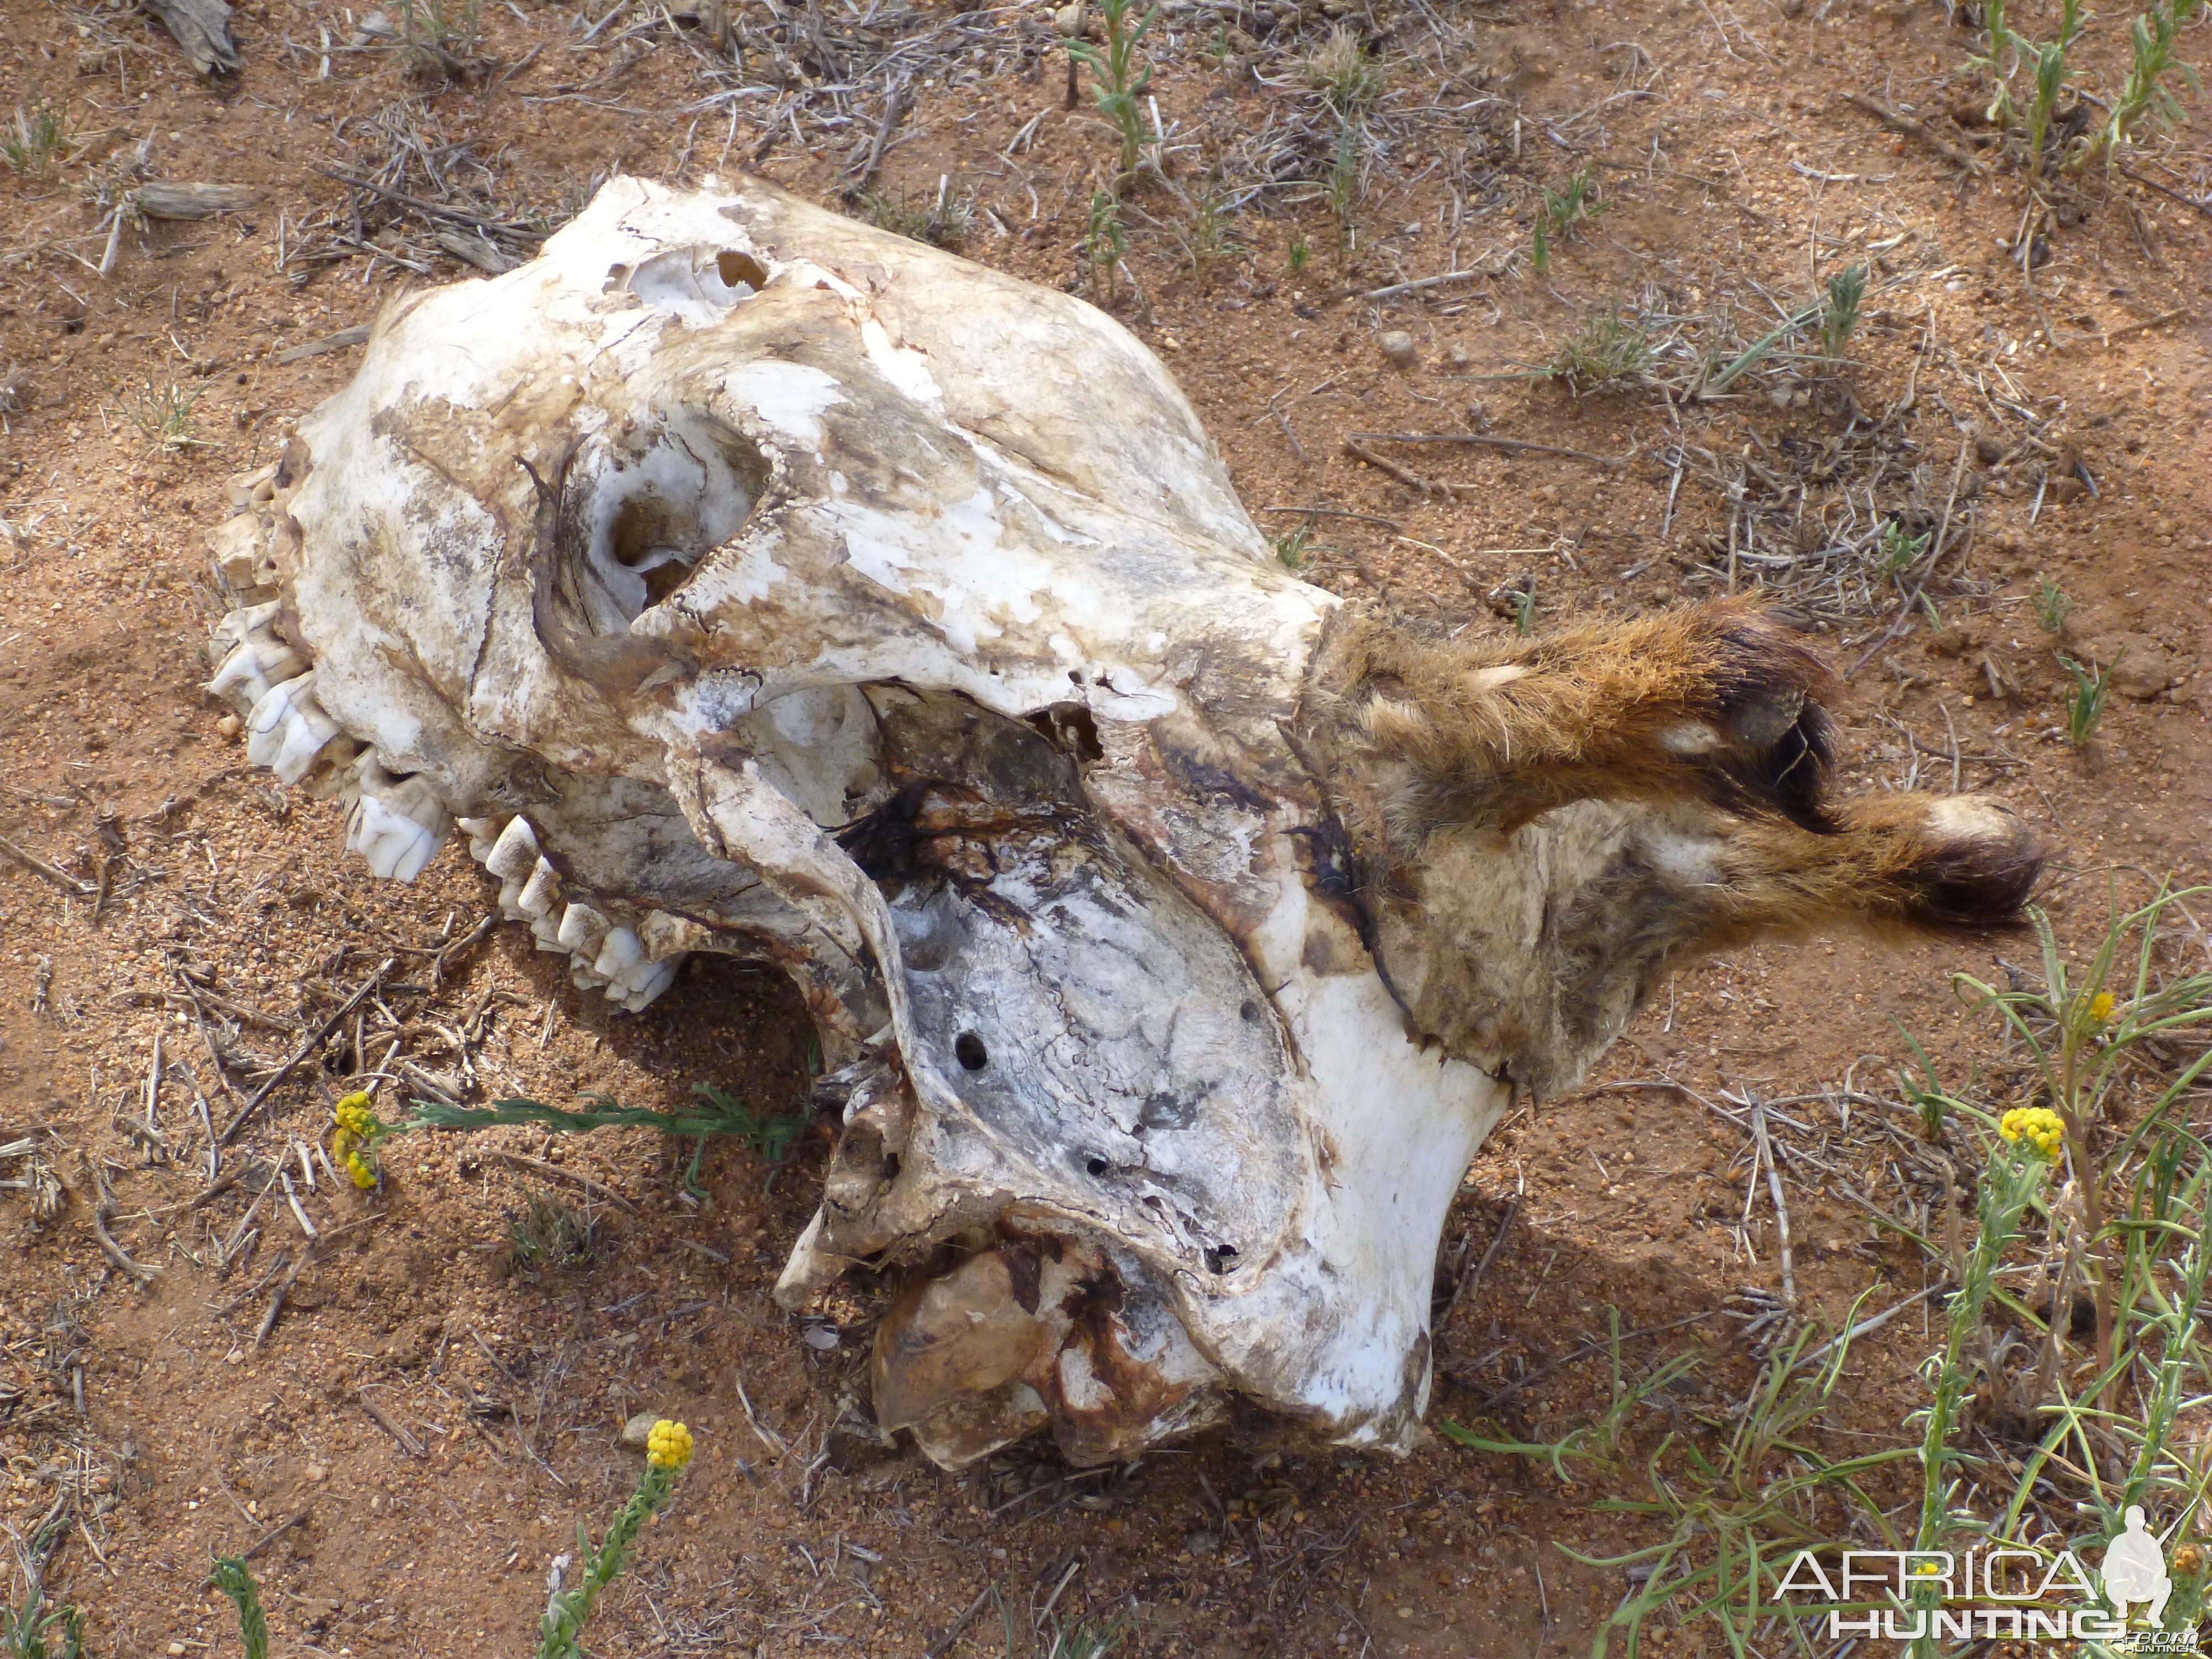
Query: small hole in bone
point(968, 1049)
point(1096, 1165)
point(733, 268)
point(1250, 1013)
point(1221, 1258)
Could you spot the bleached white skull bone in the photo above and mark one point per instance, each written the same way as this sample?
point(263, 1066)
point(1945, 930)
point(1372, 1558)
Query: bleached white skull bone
point(742, 578)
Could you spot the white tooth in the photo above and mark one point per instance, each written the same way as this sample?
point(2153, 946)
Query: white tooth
point(397, 823)
point(248, 622)
point(657, 977)
point(547, 930)
point(541, 892)
point(252, 668)
point(583, 930)
point(482, 834)
point(287, 729)
point(510, 893)
point(514, 854)
point(622, 951)
point(582, 977)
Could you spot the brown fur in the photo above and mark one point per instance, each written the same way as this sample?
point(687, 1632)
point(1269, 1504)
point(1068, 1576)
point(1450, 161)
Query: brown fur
point(1535, 848)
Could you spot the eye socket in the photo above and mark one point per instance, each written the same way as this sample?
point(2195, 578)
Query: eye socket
point(968, 1049)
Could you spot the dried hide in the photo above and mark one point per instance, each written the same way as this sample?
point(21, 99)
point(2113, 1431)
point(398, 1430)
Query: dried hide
point(740, 579)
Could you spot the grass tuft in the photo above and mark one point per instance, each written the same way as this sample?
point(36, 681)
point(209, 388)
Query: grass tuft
point(1345, 73)
point(35, 140)
point(163, 415)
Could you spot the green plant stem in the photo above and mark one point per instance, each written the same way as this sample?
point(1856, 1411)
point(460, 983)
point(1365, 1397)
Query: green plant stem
point(570, 1610)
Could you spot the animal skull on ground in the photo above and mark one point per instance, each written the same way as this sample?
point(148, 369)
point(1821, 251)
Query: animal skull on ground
point(737, 577)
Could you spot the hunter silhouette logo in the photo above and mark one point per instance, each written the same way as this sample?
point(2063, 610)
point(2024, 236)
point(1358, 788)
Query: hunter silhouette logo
point(2003, 1593)
point(2135, 1570)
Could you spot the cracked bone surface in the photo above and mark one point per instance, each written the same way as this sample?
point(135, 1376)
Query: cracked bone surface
point(740, 579)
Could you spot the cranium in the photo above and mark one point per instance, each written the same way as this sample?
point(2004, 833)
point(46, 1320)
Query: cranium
point(740, 579)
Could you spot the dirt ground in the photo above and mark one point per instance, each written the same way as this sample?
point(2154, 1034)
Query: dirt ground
point(411, 1437)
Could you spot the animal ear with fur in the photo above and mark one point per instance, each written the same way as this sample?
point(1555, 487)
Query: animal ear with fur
point(1946, 864)
point(1718, 701)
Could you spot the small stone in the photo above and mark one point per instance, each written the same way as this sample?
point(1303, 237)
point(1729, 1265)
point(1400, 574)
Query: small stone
point(2140, 667)
point(1398, 348)
point(230, 725)
point(639, 1429)
point(175, 1650)
point(1201, 1542)
point(315, 1473)
point(1068, 20)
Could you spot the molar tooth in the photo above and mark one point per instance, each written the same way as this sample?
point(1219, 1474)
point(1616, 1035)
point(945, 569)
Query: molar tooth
point(581, 976)
point(656, 977)
point(482, 834)
point(248, 622)
point(540, 893)
point(287, 729)
point(584, 930)
point(621, 955)
point(510, 891)
point(514, 854)
point(546, 929)
point(397, 823)
point(252, 667)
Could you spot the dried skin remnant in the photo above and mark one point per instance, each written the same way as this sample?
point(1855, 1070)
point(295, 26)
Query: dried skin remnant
point(739, 579)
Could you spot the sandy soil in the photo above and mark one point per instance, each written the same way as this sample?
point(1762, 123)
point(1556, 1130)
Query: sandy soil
point(414, 1436)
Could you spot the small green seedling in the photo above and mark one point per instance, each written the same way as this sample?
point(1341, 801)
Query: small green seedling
point(1291, 549)
point(1297, 256)
point(2085, 703)
point(1344, 170)
point(2052, 606)
point(25, 1633)
point(1559, 212)
point(231, 1577)
point(1897, 550)
point(2151, 39)
point(1120, 74)
point(1104, 242)
point(1839, 309)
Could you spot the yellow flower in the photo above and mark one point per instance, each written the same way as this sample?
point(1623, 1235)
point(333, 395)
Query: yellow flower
point(2100, 1008)
point(669, 1445)
point(363, 1176)
point(353, 1114)
point(2042, 1128)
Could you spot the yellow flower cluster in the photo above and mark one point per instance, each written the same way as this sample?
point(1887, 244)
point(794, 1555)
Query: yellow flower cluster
point(2038, 1126)
point(2101, 1008)
point(669, 1445)
point(355, 1123)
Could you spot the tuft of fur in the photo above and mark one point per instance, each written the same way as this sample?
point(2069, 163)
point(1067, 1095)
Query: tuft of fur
point(1718, 699)
point(1541, 831)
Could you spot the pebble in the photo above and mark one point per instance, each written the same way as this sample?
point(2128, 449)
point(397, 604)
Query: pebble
point(230, 726)
point(1398, 348)
point(639, 1429)
point(315, 1473)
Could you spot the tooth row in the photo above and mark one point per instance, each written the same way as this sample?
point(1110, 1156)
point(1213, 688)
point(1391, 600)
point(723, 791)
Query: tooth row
point(600, 953)
point(397, 823)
